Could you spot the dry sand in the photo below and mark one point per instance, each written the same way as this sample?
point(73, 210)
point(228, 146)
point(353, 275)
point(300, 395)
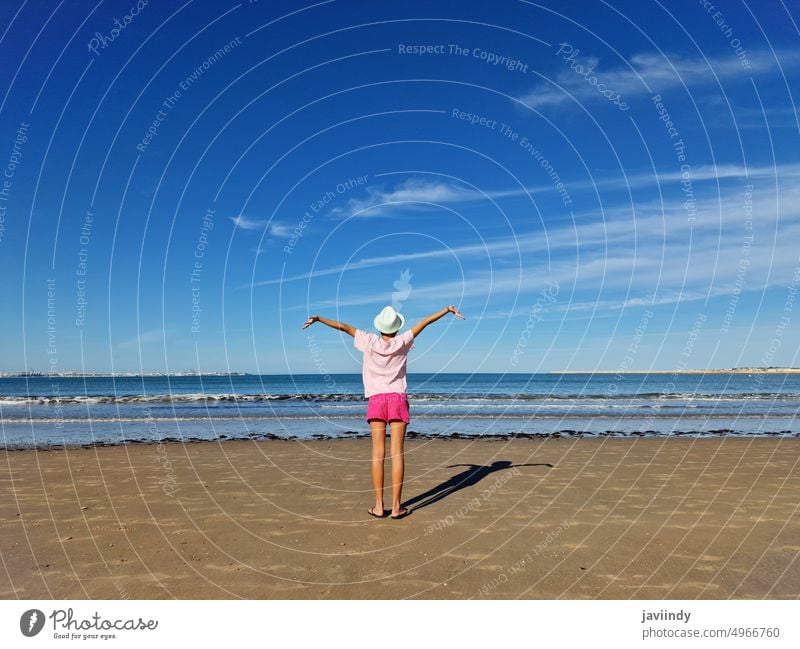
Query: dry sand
point(641, 518)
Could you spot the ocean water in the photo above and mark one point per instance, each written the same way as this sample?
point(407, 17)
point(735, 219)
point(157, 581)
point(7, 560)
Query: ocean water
point(54, 411)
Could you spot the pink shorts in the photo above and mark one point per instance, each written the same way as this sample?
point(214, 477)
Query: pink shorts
point(388, 406)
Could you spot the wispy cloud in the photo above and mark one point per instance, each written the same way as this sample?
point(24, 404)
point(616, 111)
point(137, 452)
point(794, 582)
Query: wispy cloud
point(498, 246)
point(618, 227)
point(699, 174)
point(649, 73)
point(413, 193)
point(418, 193)
point(717, 111)
point(622, 260)
point(244, 223)
point(278, 230)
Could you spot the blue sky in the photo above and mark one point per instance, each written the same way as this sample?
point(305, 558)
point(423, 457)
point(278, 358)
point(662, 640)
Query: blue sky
point(598, 186)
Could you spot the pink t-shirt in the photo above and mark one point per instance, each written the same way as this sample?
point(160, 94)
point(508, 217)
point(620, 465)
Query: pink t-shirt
point(384, 361)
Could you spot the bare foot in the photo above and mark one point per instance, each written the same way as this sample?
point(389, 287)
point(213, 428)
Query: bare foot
point(401, 512)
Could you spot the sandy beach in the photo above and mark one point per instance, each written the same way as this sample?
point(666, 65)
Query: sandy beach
point(552, 518)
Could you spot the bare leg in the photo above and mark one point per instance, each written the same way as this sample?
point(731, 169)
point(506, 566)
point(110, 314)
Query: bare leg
point(378, 430)
point(398, 463)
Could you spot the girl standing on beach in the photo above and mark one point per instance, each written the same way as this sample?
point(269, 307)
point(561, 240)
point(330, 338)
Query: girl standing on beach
point(384, 374)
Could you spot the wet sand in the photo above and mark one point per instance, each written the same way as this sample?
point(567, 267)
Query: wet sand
point(553, 518)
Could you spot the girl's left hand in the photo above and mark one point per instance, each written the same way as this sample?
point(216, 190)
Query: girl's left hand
point(310, 321)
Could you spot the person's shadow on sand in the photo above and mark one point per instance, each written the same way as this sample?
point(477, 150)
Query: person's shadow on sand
point(469, 478)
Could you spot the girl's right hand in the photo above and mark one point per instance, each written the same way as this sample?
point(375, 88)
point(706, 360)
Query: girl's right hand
point(310, 321)
point(455, 312)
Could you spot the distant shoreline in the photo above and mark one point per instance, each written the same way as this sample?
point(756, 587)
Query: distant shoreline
point(132, 375)
point(734, 370)
point(117, 375)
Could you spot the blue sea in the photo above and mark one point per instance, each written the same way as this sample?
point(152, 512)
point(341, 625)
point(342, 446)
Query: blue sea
point(57, 411)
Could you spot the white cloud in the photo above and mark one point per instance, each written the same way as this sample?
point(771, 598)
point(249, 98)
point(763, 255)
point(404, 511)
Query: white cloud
point(246, 223)
point(417, 193)
point(280, 230)
point(621, 261)
point(615, 225)
point(277, 230)
point(411, 193)
point(652, 70)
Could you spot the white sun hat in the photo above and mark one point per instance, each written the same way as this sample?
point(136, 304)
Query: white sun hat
point(388, 321)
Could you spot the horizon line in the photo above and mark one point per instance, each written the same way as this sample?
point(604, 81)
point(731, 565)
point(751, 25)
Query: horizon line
point(184, 373)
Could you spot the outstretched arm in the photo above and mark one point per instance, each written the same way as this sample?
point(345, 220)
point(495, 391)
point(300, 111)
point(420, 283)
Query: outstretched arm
point(341, 326)
point(417, 328)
